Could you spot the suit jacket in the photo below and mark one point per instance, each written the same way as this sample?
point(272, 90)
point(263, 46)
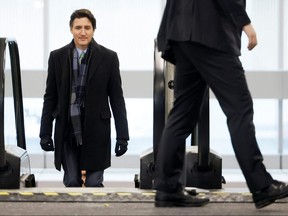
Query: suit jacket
point(103, 90)
point(214, 23)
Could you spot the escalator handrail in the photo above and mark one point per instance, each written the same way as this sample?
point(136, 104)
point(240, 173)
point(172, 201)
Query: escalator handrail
point(17, 93)
point(2, 88)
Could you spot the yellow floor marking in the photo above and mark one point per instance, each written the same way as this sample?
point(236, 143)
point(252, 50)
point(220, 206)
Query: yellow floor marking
point(100, 194)
point(51, 193)
point(124, 194)
point(148, 194)
point(75, 194)
point(3, 193)
point(26, 193)
point(246, 194)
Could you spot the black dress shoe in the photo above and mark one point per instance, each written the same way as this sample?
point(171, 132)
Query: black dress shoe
point(267, 196)
point(178, 199)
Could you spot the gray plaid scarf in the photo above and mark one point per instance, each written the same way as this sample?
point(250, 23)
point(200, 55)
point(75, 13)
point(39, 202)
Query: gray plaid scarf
point(78, 95)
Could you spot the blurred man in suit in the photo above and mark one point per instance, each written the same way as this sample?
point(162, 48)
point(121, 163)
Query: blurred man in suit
point(203, 39)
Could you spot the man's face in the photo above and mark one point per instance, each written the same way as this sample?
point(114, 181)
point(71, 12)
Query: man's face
point(82, 32)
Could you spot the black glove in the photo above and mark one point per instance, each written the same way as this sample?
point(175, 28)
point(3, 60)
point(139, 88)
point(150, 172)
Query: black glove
point(47, 144)
point(121, 147)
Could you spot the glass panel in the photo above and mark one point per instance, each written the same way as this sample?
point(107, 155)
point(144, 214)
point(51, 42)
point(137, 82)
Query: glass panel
point(285, 126)
point(125, 26)
point(266, 123)
point(140, 121)
point(32, 113)
point(219, 135)
point(10, 137)
point(264, 56)
point(23, 21)
point(38, 25)
point(265, 120)
point(285, 36)
point(32, 117)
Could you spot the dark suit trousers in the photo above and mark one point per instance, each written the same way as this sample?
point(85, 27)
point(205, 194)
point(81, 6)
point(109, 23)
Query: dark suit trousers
point(196, 67)
point(72, 172)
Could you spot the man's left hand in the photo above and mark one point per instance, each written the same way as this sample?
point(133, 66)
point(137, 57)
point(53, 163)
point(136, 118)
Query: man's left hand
point(121, 147)
point(251, 35)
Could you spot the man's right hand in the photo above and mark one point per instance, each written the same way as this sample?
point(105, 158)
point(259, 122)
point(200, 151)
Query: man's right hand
point(47, 144)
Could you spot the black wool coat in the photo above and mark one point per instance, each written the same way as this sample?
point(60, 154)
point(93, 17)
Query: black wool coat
point(103, 95)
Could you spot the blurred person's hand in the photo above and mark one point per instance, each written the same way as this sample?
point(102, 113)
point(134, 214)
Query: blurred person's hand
point(251, 35)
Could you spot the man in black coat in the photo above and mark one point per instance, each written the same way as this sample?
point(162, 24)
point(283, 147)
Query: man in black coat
point(79, 93)
point(203, 39)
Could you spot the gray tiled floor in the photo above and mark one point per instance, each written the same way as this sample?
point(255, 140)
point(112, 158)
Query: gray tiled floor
point(53, 208)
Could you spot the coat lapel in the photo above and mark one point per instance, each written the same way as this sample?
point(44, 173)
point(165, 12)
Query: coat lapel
point(95, 59)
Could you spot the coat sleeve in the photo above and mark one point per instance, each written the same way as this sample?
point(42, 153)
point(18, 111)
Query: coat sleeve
point(117, 101)
point(50, 100)
point(236, 10)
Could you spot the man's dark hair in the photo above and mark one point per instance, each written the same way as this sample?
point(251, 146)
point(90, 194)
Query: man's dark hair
point(80, 14)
